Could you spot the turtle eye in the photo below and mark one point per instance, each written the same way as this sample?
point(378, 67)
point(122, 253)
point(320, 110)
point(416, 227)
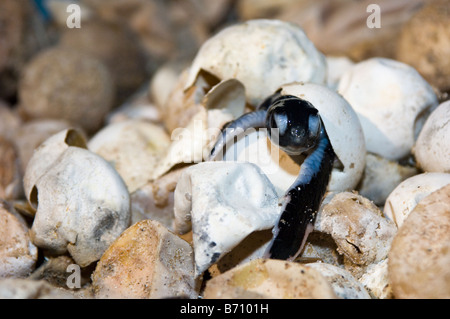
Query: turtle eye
point(280, 122)
point(314, 125)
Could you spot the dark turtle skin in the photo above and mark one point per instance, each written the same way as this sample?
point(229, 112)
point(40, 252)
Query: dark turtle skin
point(296, 127)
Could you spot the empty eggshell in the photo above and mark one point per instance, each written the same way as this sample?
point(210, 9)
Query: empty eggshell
point(432, 149)
point(82, 206)
point(269, 278)
point(133, 147)
point(420, 254)
point(392, 101)
point(223, 103)
point(273, 50)
point(410, 192)
point(224, 202)
point(146, 261)
point(46, 154)
point(345, 286)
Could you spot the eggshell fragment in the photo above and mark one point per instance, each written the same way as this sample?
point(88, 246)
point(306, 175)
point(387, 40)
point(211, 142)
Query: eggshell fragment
point(133, 147)
point(358, 227)
point(273, 50)
point(269, 278)
point(345, 286)
point(410, 192)
point(420, 252)
point(18, 255)
point(46, 154)
point(376, 280)
point(432, 149)
point(222, 103)
point(146, 261)
point(224, 202)
point(392, 101)
point(82, 206)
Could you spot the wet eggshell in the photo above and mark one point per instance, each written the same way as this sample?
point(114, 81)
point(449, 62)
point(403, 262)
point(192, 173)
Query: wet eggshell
point(276, 51)
point(420, 252)
point(402, 200)
point(146, 261)
point(392, 101)
point(432, 149)
point(82, 205)
point(269, 278)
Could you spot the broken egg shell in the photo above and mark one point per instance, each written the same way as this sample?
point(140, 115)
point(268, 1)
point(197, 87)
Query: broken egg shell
point(376, 280)
point(133, 148)
point(82, 205)
point(146, 261)
point(432, 149)
point(276, 51)
point(18, 255)
point(46, 154)
point(420, 252)
point(269, 278)
point(402, 200)
point(358, 227)
point(223, 202)
point(33, 133)
point(345, 286)
point(392, 102)
point(223, 103)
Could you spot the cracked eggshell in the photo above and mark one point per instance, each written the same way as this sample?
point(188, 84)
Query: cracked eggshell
point(432, 149)
point(46, 154)
point(358, 227)
point(223, 103)
point(376, 280)
point(410, 192)
point(18, 255)
point(392, 101)
point(269, 278)
point(146, 261)
point(223, 202)
point(82, 205)
point(344, 285)
point(420, 253)
point(133, 148)
point(273, 50)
